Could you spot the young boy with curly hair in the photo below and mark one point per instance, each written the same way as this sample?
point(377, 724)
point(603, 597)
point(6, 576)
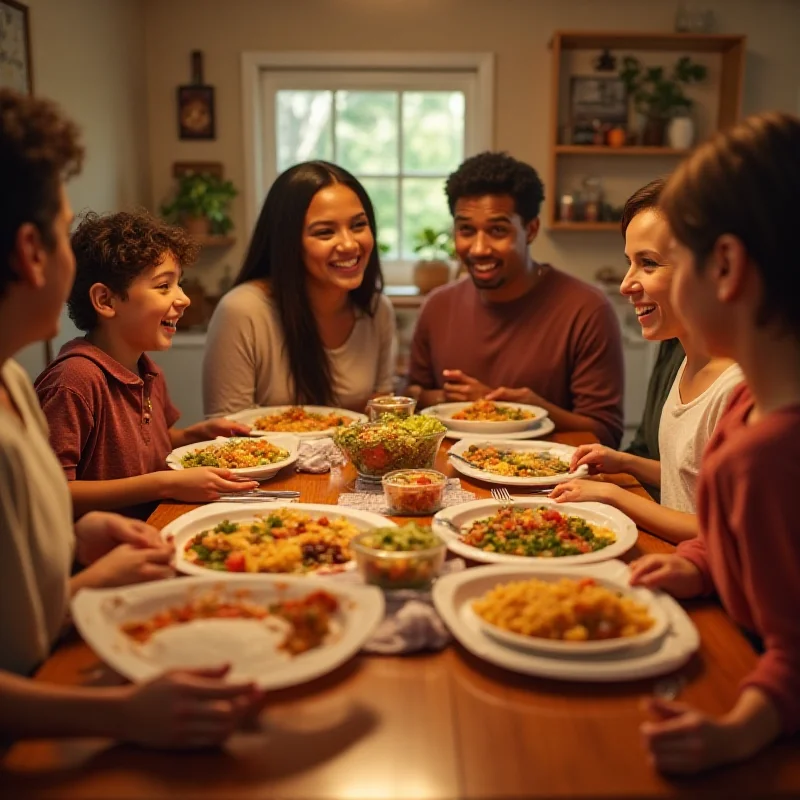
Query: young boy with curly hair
point(112, 424)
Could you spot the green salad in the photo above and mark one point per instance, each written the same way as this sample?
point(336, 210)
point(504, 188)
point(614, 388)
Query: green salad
point(406, 538)
point(376, 448)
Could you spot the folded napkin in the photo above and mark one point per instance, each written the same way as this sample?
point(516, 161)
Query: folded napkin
point(411, 623)
point(318, 455)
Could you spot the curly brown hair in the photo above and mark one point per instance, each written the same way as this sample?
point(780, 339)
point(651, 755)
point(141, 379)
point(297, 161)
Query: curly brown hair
point(39, 148)
point(115, 249)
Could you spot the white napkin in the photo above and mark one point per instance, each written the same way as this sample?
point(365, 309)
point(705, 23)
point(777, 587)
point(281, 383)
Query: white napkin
point(318, 455)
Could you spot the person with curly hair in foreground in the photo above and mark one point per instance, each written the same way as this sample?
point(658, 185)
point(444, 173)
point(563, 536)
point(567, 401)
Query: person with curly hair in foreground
point(39, 150)
point(112, 424)
point(519, 330)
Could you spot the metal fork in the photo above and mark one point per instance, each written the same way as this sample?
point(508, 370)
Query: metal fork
point(502, 496)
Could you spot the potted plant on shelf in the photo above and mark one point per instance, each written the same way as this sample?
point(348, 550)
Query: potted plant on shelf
point(659, 97)
point(436, 252)
point(201, 204)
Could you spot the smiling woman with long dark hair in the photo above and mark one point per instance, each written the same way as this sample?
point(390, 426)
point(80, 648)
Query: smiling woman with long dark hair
point(305, 321)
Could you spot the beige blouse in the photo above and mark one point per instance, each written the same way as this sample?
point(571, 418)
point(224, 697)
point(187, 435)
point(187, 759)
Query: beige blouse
point(36, 532)
point(245, 364)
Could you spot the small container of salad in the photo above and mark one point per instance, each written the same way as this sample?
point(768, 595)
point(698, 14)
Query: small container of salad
point(411, 492)
point(407, 557)
point(377, 448)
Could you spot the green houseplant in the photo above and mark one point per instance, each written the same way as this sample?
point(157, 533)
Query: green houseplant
point(436, 252)
point(201, 203)
point(659, 96)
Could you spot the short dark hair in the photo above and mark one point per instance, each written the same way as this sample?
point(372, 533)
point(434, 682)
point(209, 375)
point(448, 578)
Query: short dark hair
point(745, 182)
point(115, 249)
point(644, 199)
point(497, 173)
point(39, 148)
point(276, 254)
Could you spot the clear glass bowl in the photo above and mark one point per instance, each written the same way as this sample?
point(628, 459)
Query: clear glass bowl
point(390, 404)
point(398, 569)
point(414, 492)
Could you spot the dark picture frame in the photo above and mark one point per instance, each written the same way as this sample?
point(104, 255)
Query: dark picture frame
point(196, 113)
point(16, 68)
point(598, 98)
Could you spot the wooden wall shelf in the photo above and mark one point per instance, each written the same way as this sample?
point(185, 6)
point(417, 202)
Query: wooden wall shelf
point(730, 52)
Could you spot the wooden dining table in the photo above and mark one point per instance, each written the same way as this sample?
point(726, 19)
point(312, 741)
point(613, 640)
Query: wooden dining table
point(427, 725)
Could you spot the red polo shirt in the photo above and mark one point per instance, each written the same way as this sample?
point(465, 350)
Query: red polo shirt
point(106, 422)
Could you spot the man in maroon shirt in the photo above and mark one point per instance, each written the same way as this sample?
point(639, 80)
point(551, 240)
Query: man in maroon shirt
point(519, 330)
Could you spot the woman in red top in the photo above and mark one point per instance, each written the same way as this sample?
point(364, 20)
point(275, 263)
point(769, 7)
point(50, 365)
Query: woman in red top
point(732, 207)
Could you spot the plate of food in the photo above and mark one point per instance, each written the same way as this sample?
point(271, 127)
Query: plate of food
point(513, 463)
point(535, 529)
point(290, 539)
point(276, 631)
point(672, 643)
point(305, 422)
point(487, 416)
point(538, 430)
point(258, 458)
point(558, 613)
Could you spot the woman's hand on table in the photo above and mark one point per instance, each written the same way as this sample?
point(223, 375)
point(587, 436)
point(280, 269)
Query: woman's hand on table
point(669, 572)
point(187, 709)
point(99, 532)
point(599, 459)
point(583, 491)
point(203, 484)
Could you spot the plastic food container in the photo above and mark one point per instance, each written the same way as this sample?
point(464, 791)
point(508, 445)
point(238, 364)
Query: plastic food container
point(390, 404)
point(414, 491)
point(408, 557)
point(377, 448)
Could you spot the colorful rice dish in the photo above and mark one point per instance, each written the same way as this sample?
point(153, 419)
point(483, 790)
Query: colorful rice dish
point(235, 454)
point(308, 617)
point(297, 420)
point(515, 463)
point(285, 541)
point(539, 532)
point(489, 411)
point(567, 610)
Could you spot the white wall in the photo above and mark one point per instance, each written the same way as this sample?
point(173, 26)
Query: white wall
point(88, 56)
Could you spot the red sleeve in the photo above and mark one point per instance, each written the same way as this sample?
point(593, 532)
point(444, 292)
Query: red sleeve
point(694, 550)
point(420, 369)
point(598, 372)
point(753, 497)
point(171, 414)
point(70, 420)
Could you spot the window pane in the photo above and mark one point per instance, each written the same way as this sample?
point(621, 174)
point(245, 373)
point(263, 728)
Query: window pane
point(366, 132)
point(303, 126)
point(424, 206)
point(433, 131)
point(384, 194)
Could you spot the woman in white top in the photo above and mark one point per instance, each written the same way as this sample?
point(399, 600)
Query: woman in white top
point(306, 321)
point(695, 403)
point(39, 148)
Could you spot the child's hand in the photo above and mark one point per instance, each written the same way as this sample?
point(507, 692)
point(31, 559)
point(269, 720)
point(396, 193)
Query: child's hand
point(99, 532)
point(205, 484)
point(598, 458)
point(674, 574)
point(186, 709)
point(583, 491)
point(211, 428)
point(127, 564)
point(683, 740)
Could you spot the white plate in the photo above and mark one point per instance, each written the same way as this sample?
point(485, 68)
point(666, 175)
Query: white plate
point(251, 414)
point(579, 649)
point(250, 646)
point(464, 514)
point(540, 429)
point(444, 412)
point(453, 595)
point(287, 441)
point(562, 451)
point(182, 529)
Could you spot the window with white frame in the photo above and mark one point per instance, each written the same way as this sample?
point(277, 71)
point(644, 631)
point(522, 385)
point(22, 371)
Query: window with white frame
point(400, 131)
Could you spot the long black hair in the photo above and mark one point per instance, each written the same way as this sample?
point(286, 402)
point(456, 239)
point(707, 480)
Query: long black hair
point(276, 254)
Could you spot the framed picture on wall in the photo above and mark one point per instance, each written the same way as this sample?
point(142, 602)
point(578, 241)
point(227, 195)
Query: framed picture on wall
point(15, 47)
point(196, 112)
